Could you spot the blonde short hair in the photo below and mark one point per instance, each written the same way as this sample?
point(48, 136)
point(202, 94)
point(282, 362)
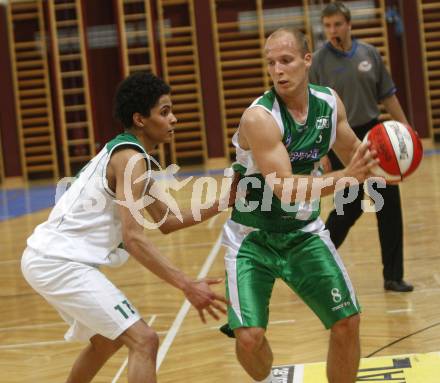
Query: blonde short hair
point(300, 38)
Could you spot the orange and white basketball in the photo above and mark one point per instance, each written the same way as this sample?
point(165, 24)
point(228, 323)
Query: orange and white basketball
point(399, 150)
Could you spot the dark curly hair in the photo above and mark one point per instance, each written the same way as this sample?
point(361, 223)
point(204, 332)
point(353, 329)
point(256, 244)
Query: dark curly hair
point(138, 93)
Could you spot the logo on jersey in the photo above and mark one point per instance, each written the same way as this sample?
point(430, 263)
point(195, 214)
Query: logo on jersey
point(312, 154)
point(322, 123)
point(364, 66)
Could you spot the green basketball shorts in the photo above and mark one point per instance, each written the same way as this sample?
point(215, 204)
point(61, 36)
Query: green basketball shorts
point(306, 260)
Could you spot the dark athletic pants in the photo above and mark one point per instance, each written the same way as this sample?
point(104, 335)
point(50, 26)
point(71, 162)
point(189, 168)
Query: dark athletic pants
point(389, 219)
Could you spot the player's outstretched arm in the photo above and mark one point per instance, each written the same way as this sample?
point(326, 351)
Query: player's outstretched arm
point(176, 219)
point(137, 244)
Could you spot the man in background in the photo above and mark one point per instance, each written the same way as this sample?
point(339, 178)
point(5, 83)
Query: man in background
point(355, 70)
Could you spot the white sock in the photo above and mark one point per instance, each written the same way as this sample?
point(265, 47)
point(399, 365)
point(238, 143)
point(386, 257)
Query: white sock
point(267, 380)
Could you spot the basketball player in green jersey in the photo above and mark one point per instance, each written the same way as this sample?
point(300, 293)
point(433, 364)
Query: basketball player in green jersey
point(89, 222)
point(279, 143)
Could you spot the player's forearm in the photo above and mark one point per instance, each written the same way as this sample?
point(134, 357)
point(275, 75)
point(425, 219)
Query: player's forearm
point(190, 217)
point(149, 257)
point(301, 188)
point(346, 153)
point(392, 105)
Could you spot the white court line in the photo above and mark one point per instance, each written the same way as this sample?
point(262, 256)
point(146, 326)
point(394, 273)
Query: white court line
point(216, 328)
point(271, 323)
point(166, 247)
point(298, 376)
point(163, 349)
point(211, 222)
point(399, 311)
point(173, 246)
point(59, 324)
point(36, 344)
point(34, 326)
point(282, 321)
point(122, 368)
point(12, 346)
point(10, 261)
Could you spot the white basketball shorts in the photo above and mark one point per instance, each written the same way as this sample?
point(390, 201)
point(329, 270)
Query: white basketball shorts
point(82, 295)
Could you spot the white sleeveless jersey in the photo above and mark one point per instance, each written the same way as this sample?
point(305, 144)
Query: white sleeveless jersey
point(85, 225)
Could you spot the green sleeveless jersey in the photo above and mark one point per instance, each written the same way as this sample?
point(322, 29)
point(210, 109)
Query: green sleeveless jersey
point(305, 143)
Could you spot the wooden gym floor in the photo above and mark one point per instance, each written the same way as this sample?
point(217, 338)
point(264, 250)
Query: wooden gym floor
point(32, 348)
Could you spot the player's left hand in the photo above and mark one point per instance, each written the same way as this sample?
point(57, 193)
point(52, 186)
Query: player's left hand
point(203, 298)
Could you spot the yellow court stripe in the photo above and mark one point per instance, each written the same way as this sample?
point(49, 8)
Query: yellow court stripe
point(412, 368)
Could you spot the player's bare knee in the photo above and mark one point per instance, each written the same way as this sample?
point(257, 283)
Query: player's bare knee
point(141, 338)
point(147, 340)
point(250, 339)
point(347, 326)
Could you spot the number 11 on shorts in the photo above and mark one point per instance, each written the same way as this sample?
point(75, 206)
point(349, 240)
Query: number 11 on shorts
point(123, 310)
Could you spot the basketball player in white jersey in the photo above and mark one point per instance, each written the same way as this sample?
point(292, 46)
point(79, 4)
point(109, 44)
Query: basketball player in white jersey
point(87, 226)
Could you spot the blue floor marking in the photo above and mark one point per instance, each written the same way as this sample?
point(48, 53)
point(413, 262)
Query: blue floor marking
point(430, 152)
point(17, 202)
